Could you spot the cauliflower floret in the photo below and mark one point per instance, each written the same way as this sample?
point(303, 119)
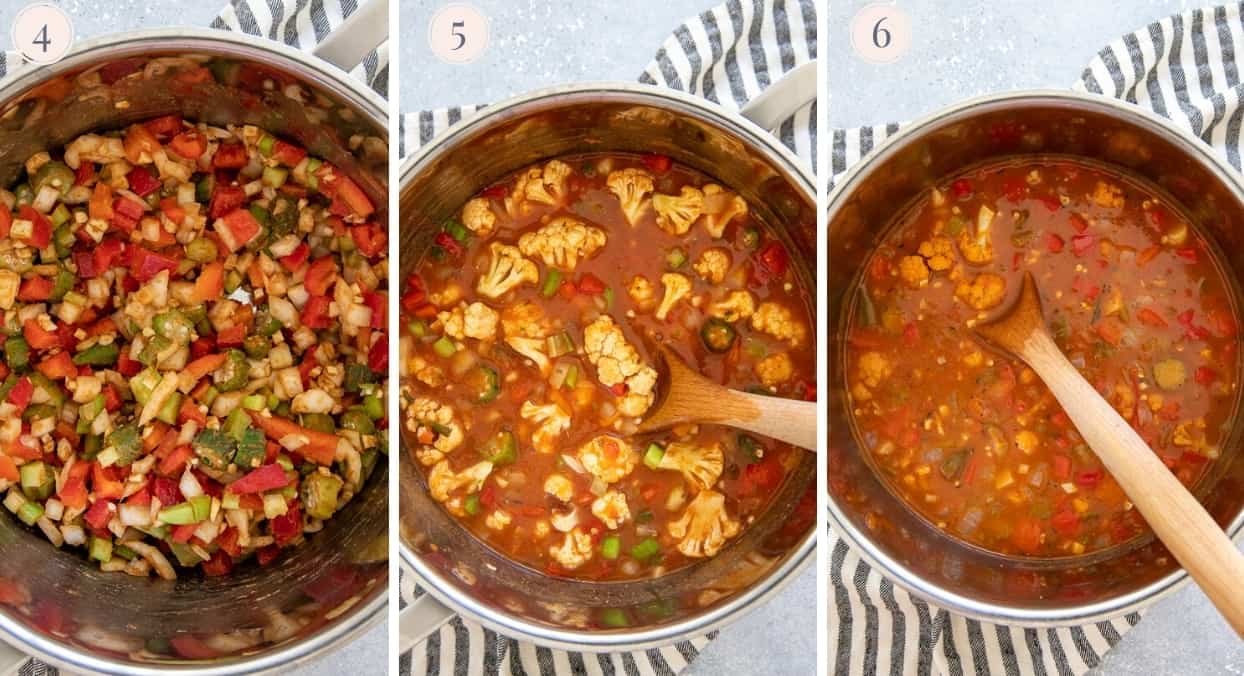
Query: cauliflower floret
point(442, 481)
point(425, 372)
point(938, 252)
point(611, 509)
point(700, 465)
point(533, 349)
point(617, 362)
point(506, 270)
point(562, 242)
point(524, 320)
point(913, 271)
point(713, 265)
point(478, 217)
point(632, 187)
point(552, 421)
point(574, 551)
point(1108, 195)
point(429, 419)
point(975, 243)
point(720, 207)
point(735, 306)
point(543, 186)
point(704, 528)
point(446, 297)
point(642, 292)
point(874, 368)
point(676, 288)
point(677, 213)
point(476, 321)
point(498, 519)
point(986, 290)
point(608, 458)
point(775, 369)
point(777, 320)
point(559, 487)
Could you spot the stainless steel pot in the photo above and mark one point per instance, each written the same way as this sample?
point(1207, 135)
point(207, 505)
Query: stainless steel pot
point(890, 536)
point(60, 608)
point(460, 571)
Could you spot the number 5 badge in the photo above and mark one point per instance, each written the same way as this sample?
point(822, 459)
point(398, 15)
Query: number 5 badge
point(42, 32)
point(458, 33)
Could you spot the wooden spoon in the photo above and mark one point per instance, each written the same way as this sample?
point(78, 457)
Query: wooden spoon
point(1183, 525)
point(692, 398)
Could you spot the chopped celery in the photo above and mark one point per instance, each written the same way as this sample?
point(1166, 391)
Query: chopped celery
point(37, 480)
point(610, 547)
point(171, 408)
point(98, 355)
point(559, 345)
point(652, 458)
point(646, 549)
point(253, 402)
point(17, 353)
point(101, 549)
point(143, 384)
point(552, 282)
point(444, 347)
point(274, 505)
point(471, 504)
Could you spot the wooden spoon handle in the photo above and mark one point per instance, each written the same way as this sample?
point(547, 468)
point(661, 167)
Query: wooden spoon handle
point(1183, 525)
point(788, 420)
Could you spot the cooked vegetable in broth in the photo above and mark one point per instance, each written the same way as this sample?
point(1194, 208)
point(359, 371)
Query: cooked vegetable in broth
point(528, 357)
point(195, 347)
point(1133, 296)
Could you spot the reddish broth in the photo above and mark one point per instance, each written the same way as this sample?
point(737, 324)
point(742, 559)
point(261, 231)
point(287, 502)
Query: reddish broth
point(1133, 296)
point(515, 508)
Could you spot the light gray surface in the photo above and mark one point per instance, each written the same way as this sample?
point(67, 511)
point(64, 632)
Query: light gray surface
point(982, 46)
point(369, 654)
point(537, 43)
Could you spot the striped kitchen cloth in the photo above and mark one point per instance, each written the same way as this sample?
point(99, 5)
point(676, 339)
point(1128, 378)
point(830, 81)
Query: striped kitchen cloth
point(297, 23)
point(1183, 67)
point(727, 54)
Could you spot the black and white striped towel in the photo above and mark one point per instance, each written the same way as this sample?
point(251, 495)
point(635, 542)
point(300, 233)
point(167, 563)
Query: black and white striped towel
point(297, 23)
point(1185, 68)
point(727, 54)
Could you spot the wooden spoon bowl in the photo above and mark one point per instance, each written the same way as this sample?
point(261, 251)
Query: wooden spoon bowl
point(689, 397)
point(1179, 521)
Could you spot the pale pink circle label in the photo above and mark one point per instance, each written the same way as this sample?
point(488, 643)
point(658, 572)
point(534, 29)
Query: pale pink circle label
point(458, 33)
point(42, 32)
point(881, 33)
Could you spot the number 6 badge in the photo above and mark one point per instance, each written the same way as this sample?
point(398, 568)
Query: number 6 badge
point(881, 33)
point(458, 33)
point(42, 32)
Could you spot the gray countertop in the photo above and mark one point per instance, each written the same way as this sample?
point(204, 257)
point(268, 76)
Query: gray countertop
point(368, 654)
point(972, 47)
point(537, 43)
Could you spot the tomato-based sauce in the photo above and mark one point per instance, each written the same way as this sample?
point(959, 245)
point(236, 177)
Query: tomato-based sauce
point(1132, 295)
point(529, 355)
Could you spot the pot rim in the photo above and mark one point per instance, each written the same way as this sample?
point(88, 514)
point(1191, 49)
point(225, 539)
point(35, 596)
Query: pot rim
point(796, 560)
point(859, 541)
point(362, 98)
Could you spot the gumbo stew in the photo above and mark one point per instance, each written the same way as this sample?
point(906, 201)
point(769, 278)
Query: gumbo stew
point(1134, 297)
point(528, 358)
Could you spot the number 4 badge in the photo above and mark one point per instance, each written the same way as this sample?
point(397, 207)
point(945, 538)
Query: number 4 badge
point(42, 32)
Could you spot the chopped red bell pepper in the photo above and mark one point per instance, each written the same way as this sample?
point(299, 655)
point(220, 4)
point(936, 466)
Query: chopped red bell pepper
point(167, 490)
point(35, 290)
point(142, 497)
point(225, 198)
point(41, 232)
point(126, 213)
point(1054, 243)
point(183, 533)
point(38, 337)
point(321, 275)
point(105, 253)
point(266, 478)
point(20, 393)
point(192, 648)
point(220, 564)
point(128, 366)
point(1066, 523)
point(142, 183)
point(378, 356)
point(237, 228)
point(58, 366)
point(84, 173)
point(657, 163)
point(315, 312)
point(107, 482)
point(168, 125)
point(230, 156)
point(228, 541)
point(287, 526)
point(369, 238)
point(189, 144)
point(961, 189)
point(451, 246)
point(230, 337)
point(287, 153)
point(296, 258)
point(112, 398)
point(146, 264)
point(173, 210)
point(378, 301)
point(1081, 244)
point(266, 555)
point(73, 493)
point(173, 464)
point(98, 516)
point(1205, 375)
point(591, 285)
point(773, 258)
point(339, 186)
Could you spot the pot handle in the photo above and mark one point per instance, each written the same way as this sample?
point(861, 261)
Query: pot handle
point(360, 33)
point(419, 619)
point(794, 90)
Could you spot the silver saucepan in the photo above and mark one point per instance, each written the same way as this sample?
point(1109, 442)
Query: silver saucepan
point(459, 571)
point(889, 535)
point(56, 605)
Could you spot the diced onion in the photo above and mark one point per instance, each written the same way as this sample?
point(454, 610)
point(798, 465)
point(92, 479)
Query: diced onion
point(599, 487)
point(73, 534)
point(136, 515)
point(50, 530)
point(54, 509)
point(46, 199)
point(571, 462)
point(189, 485)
